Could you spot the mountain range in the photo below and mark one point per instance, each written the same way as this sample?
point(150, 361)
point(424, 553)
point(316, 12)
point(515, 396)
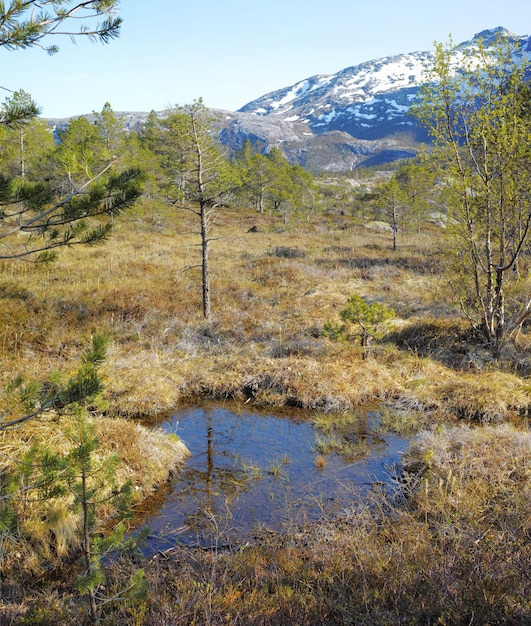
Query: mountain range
point(357, 116)
point(338, 122)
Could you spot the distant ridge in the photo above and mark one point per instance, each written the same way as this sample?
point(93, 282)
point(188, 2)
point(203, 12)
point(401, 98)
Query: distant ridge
point(338, 122)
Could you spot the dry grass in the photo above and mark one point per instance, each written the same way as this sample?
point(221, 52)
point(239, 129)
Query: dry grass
point(451, 545)
point(273, 290)
point(405, 560)
point(49, 528)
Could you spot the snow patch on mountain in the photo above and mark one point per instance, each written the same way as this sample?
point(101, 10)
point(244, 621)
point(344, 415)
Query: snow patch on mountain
point(354, 84)
point(359, 111)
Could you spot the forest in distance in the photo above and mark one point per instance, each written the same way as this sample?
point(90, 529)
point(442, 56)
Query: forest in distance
point(141, 271)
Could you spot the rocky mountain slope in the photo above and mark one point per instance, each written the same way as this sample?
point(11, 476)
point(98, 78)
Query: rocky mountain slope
point(337, 122)
point(358, 116)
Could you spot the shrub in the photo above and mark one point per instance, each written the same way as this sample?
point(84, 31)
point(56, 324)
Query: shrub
point(366, 319)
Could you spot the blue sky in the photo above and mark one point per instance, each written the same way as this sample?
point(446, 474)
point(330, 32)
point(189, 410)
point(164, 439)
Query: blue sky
point(231, 52)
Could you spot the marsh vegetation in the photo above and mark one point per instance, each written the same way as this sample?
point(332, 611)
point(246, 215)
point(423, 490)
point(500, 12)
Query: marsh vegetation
point(244, 280)
point(450, 542)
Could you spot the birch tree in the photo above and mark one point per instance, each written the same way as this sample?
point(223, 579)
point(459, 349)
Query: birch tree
point(473, 110)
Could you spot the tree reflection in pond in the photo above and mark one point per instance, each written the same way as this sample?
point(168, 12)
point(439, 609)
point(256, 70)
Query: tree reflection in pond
point(252, 470)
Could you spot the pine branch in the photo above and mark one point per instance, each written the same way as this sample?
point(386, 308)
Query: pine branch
point(83, 386)
point(26, 24)
point(29, 223)
point(63, 223)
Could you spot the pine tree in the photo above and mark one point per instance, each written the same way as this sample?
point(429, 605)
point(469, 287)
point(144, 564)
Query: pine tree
point(14, 108)
point(27, 24)
point(76, 485)
point(270, 180)
point(364, 317)
point(256, 175)
point(199, 177)
point(35, 217)
point(25, 146)
point(111, 129)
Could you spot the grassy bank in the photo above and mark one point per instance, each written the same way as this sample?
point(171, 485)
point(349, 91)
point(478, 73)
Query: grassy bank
point(273, 291)
point(450, 546)
point(47, 527)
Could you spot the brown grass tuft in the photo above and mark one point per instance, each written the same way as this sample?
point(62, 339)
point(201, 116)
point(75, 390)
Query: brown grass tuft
point(452, 546)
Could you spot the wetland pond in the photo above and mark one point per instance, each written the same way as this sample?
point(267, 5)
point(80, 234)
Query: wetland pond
point(253, 470)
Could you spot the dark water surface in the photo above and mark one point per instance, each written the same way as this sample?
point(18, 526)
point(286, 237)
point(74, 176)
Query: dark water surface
point(251, 470)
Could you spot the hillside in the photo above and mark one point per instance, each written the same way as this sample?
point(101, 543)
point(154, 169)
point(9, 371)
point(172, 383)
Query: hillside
point(356, 117)
point(337, 122)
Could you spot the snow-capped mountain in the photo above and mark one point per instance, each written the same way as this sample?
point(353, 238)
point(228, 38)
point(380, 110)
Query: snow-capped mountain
point(359, 116)
point(339, 121)
point(357, 99)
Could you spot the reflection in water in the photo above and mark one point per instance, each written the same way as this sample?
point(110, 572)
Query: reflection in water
point(252, 470)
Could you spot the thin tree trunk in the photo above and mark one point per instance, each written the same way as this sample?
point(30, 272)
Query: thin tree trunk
point(203, 214)
point(499, 307)
point(395, 226)
point(22, 156)
point(93, 611)
point(204, 263)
